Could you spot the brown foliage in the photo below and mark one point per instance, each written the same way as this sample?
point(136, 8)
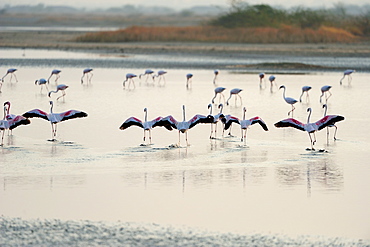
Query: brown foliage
point(285, 34)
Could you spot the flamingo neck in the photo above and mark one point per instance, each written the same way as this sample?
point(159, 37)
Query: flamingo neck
point(146, 115)
point(244, 113)
point(183, 112)
point(326, 109)
point(221, 108)
point(309, 115)
point(284, 93)
point(4, 112)
point(210, 109)
point(51, 107)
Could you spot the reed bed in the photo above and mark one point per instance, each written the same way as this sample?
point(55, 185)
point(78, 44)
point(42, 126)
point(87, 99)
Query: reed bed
point(284, 34)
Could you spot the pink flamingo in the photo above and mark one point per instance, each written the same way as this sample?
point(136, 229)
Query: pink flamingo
point(311, 128)
point(54, 118)
point(129, 78)
point(11, 72)
point(60, 87)
point(86, 72)
point(55, 72)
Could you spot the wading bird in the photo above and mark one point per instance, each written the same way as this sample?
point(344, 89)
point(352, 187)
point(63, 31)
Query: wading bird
point(216, 119)
point(272, 80)
point(348, 73)
point(130, 78)
point(11, 72)
point(311, 128)
point(160, 74)
point(244, 124)
point(11, 121)
point(219, 90)
point(188, 79)
point(60, 87)
point(147, 72)
point(87, 72)
point(261, 76)
point(42, 82)
point(332, 125)
point(54, 118)
point(288, 100)
point(146, 125)
point(55, 72)
point(235, 92)
point(305, 89)
point(325, 90)
point(216, 72)
point(184, 126)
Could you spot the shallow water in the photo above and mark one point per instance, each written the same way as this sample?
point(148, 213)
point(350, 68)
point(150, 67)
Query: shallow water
point(270, 185)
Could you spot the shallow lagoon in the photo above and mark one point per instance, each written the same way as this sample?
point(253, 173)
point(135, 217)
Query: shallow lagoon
point(272, 185)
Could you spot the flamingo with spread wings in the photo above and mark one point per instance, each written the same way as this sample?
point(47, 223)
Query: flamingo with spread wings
point(311, 128)
point(146, 125)
point(184, 126)
point(244, 123)
point(216, 118)
point(54, 118)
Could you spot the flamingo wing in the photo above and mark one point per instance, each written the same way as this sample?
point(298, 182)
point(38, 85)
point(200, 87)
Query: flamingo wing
point(72, 114)
point(259, 121)
point(36, 113)
point(228, 120)
point(18, 120)
point(328, 120)
point(290, 122)
point(130, 122)
point(168, 122)
point(200, 119)
point(157, 122)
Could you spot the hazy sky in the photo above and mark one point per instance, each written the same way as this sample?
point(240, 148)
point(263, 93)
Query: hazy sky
point(179, 4)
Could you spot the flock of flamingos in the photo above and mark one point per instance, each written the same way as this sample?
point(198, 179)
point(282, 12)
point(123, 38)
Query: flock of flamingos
point(11, 121)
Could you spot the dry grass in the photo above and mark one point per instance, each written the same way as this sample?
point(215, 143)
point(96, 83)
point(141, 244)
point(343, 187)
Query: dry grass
point(285, 34)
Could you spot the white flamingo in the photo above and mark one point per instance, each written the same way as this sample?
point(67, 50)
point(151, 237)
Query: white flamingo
point(235, 92)
point(189, 78)
point(54, 118)
point(55, 72)
point(11, 121)
point(305, 89)
point(272, 79)
point(244, 123)
point(146, 125)
point(332, 125)
point(216, 118)
point(219, 90)
point(86, 72)
point(147, 72)
point(160, 74)
point(325, 90)
point(311, 128)
point(184, 126)
point(42, 82)
point(261, 76)
point(11, 72)
point(289, 100)
point(60, 87)
point(348, 73)
point(130, 78)
point(216, 72)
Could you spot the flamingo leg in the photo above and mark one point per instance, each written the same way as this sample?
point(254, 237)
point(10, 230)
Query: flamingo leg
point(179, 140)
point(242, 135)
point(327, 135)
point(335, 133)
point(186, 138)
point(15, 78)
point(241, 101)
point(2, 138)
point(144, 136)
point(309, 134)
point(210, 137)
point(91, 75)
point(150, 136)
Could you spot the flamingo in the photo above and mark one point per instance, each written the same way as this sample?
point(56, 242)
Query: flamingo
point(311, 128)
point(147, 72)
point(244, 123)
point(54, 118)
point(129, 78)
point(160, 74)
point(235, 92)
point(11, 121)
point(218, 90)
point(261, 76)
point(86, 72)
point(146, 125)
point(11, 72)
point(305, 89)
point(55, 72)
point(60, 87)
point(332, 125)
point(325, 90)
point(42, 82)
point(216, 72)
point(348, 73)
point(289, 100)
point(272, 80)
point(188, 79)
point(184, 126)
point(216, 118)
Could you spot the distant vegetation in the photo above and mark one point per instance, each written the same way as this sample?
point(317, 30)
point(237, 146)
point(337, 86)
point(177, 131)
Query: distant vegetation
point(244, 23)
